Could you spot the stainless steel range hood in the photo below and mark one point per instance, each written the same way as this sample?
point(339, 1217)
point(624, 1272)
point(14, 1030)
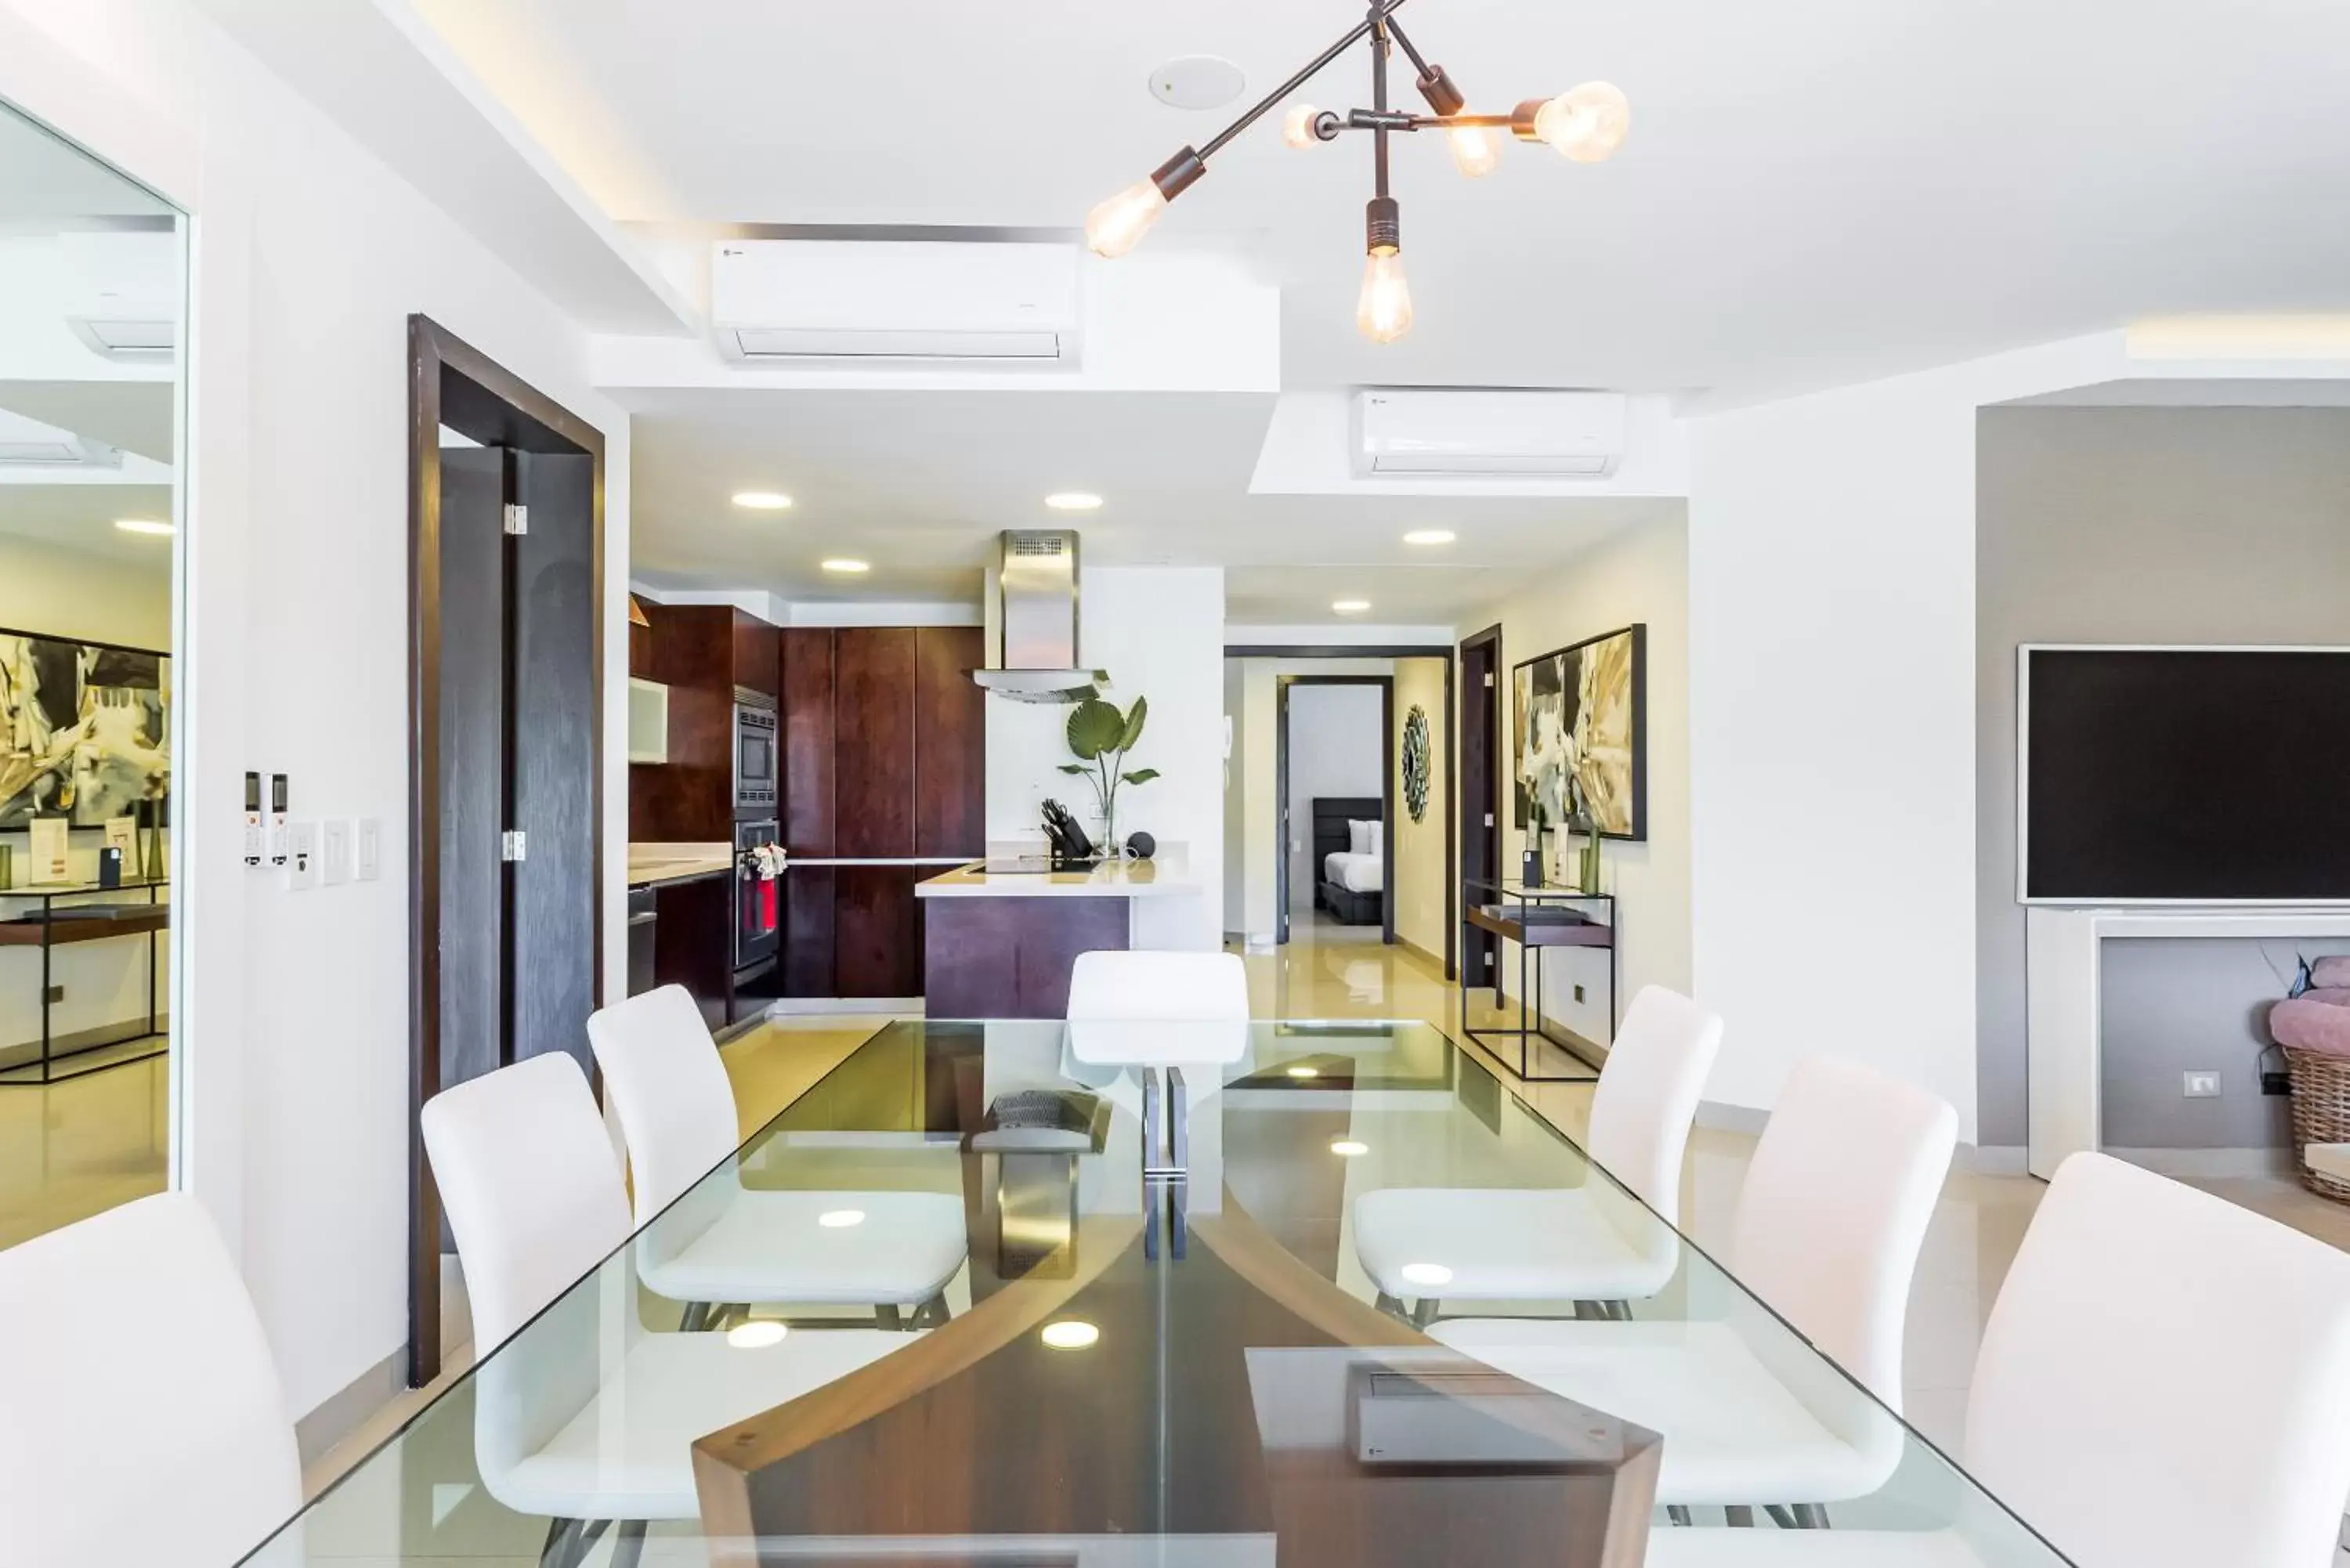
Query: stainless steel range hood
point(1032, 625)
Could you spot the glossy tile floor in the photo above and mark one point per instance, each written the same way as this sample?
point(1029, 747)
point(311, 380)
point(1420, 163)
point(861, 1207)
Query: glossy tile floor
point(81, 1146)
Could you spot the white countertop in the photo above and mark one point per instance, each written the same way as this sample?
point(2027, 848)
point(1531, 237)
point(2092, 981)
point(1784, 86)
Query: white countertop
point(1156, 878)
point(651, 863)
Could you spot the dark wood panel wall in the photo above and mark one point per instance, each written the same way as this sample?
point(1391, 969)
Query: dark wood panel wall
point(701, 653)
point(885, 759)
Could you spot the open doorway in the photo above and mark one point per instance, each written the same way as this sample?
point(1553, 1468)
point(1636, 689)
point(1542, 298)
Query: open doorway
point(1334, 758)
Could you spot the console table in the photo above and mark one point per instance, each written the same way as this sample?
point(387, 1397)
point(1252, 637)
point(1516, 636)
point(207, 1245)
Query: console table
point(137, 908)
point(1535, 919)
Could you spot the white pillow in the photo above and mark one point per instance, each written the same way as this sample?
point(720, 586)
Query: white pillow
point(1358, 837)
point(1375, 842)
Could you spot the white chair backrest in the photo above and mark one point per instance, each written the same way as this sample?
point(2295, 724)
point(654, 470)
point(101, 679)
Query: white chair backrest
point(670, 1089)
point(528, 1180)
point(1149, 986)
point(141, 1415)
point(2166, 1378)
point(1835, 1209)
point(1648, 1094)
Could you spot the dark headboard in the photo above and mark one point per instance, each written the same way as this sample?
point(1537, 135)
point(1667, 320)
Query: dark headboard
point(1331, 814)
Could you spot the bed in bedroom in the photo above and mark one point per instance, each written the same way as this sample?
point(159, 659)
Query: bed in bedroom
point(1350, 858)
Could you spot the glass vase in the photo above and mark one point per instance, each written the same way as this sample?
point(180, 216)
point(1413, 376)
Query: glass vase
point(1101, 826)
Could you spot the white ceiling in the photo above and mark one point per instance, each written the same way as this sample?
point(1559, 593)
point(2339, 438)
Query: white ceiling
point(919, 482)
point(1813, 193)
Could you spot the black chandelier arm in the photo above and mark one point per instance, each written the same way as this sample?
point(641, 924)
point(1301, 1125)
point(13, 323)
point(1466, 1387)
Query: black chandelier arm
point(1379, 21)
point(1354, 36)
point(1401, 119)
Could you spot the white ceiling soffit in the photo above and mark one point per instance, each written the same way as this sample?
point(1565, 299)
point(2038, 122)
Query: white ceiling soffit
point(1806, 200)
point(1178, 320)
point(918, 483)
point(381, 72)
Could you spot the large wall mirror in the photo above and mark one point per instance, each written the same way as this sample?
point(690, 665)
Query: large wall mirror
point(92, 301)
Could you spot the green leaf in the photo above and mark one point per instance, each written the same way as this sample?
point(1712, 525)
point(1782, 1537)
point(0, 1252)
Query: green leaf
point(1134, 717)
point(1095, 727)
point(1075, 768)
point(1142, 776)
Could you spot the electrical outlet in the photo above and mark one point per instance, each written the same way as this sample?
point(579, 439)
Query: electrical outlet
point(2202, 1085)
point(57, 993)
point(1578, 992)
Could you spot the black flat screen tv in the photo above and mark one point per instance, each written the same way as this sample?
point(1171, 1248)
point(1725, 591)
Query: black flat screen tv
point(2184, 775)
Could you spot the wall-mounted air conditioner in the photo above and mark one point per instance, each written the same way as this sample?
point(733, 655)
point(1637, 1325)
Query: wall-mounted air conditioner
point(920, 302)
point(122, 292)
point(1403, 433)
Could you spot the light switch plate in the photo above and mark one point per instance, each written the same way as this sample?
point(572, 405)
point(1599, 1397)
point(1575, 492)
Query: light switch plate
point(333, 851)
point(370, 837)
point(301, 856)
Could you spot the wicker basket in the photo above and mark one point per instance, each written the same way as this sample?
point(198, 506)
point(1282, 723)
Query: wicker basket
point(2321, 1113)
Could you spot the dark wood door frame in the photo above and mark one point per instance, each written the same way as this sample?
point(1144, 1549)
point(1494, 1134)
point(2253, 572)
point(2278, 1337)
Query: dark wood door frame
point(452, 384)
point(1477, 788)
point(1282, 686)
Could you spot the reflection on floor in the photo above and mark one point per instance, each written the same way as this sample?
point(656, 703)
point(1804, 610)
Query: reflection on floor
point(1321, 926)
point(81, 1146)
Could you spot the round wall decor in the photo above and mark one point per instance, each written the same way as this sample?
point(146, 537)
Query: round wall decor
point(1414, 762)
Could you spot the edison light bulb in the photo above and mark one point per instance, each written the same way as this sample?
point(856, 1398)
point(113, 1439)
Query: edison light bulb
point(1475, 149)
point(1113, 228)
point(1587, 123)
point(1297, 125)
point(1383, 314)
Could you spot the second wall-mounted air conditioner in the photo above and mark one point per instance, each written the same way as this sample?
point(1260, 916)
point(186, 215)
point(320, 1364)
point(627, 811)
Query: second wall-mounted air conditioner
point(921, 302)
point(1406, 433)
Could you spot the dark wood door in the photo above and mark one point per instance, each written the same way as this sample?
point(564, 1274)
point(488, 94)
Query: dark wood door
point(950, 743)
point(552, 591)
point(472, 674)
point(1480, 791)
point(873, 755)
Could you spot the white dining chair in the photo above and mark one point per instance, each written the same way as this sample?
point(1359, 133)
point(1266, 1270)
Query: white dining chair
point(1583, 1244)
point(141, 1420)
point(580, 1416)
point(729, 1245)
point(1828, 1227)
point(1157, 1009)
point(2161, 1385)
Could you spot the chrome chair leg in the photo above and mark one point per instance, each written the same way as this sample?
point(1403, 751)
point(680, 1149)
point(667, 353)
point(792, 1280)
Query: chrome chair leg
point(1423, 1312)
point(1677, 1512)
point(1391, 1305)
point(933, 1313)
point(557, 1550)
point(629, 1544)
point(1812, 1515)
point(1739, 1516)
point(887, 1316)
point(696, 1318)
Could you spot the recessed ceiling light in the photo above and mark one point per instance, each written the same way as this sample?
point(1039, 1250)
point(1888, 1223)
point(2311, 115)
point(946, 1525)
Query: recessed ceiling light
point(1350, 607)
point(840, 1218)
point(1429, 536)
point(756, 1334)
point(762, 501)
point(1069, 1333)
point(844, 565)
point(1427, 1273)
point(143, 525)
point(1349, 1148)
point(1073, 501)
point(1302, 1071)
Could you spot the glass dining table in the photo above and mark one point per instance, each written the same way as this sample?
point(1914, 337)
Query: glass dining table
point(1163, 1348)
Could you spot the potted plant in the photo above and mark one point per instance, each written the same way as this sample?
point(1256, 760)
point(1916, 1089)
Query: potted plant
point(1099, 737)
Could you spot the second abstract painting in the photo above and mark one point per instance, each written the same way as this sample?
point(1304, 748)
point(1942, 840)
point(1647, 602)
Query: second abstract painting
point(1580, 739)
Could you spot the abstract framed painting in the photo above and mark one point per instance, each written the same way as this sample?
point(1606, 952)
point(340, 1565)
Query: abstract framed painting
point(84, 730)
point(1579, 739)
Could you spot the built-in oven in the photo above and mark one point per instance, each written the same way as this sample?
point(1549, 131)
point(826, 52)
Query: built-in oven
point(757, 760)
point(758, 898)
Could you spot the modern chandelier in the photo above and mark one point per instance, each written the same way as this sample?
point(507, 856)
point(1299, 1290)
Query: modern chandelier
point(1586, 124)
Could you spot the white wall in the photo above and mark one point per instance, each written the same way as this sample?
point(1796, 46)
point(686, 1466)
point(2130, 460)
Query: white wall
point(59, 592)
point(309, 257)
point(1158, 630)
point(1417, 866)
point(1337, 747)
point(1236, 800)
point(1640, 576)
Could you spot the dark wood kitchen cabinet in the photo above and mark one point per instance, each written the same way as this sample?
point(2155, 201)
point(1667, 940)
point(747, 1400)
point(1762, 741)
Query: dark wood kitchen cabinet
point(884, 760)
point(701, 653)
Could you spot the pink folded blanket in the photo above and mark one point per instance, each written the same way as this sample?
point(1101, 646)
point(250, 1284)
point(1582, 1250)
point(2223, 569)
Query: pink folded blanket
point(2332, 973)
point(2308, 1023)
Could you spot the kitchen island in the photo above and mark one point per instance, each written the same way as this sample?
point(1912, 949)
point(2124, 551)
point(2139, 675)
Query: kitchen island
point(999, 943)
